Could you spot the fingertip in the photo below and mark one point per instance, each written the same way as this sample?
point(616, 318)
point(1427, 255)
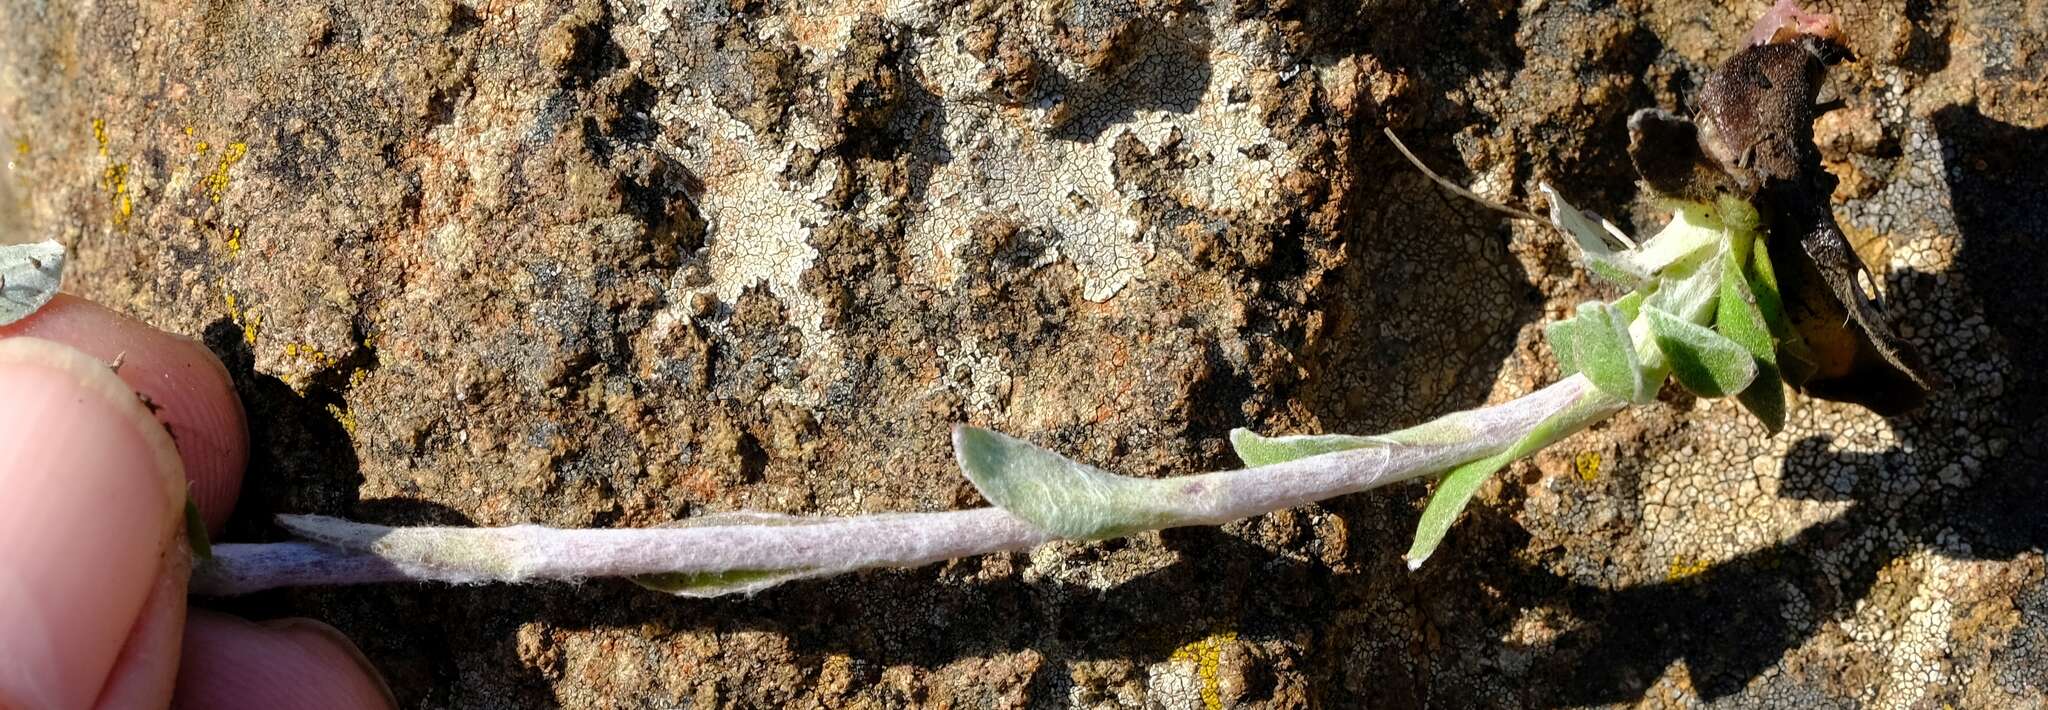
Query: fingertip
point(147, 669)
point(289, 663)
point(92, 485)
point(192, 392)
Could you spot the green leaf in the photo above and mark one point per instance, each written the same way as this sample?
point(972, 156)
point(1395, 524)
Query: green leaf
point(1688, 239)
point(1737, 316)
point(704, 585)
point(1689, 288)
point(712, 584)
point(1059, 495)
point(30, 275)
point(1763, 284)
point(1706, 363)
point(1596, 343)
point(1794, 360)
point(195, 532)
point(1740, 319)
point(1456, 490)
point(1257, 450)
point(1447, 502)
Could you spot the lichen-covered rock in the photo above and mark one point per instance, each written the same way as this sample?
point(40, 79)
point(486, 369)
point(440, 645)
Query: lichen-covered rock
point(615, 263)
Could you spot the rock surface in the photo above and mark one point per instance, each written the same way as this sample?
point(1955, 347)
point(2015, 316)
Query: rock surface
point(588, 263)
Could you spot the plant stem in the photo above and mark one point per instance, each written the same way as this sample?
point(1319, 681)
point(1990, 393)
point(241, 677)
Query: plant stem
point(342, 552)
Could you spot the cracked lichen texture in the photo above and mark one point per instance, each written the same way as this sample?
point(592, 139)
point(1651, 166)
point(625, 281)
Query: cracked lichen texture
point(615, 263)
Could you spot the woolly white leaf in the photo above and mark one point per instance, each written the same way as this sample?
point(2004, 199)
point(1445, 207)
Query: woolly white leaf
point(30, 275)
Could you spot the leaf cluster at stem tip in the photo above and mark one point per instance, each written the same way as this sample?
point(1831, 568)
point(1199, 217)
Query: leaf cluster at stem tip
point(1702, 310)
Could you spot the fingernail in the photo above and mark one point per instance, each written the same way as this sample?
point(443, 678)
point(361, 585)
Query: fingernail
point(340, 644)
point(90, 491)
point(230, 663)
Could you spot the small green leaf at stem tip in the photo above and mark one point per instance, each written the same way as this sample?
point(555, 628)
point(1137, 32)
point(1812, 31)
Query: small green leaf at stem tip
point(1257, 450)
point(1596, 343)
point(1690, 287)
point(1681, 241)
point(195, 532)
point(1795, 362)
point(1738, 317)
point(1703, 361)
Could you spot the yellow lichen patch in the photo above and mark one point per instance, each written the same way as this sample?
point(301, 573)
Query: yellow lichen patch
point(1682, 567)
point(217, 183)
point(343, 415)
point(249, 321)
point(115, 181)
point(233, 243)
point(1207, 657)
point(21, 147)
point(310, 353)
point(1587, 463)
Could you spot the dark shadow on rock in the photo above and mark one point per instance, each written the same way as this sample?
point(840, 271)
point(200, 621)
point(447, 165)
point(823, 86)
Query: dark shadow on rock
point(1737, 619)
point(301, 457)
point(303, 460)
point(1998, 182)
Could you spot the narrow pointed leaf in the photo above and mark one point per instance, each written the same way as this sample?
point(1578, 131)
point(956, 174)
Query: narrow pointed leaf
point(1738, 317)
point(1257, 450)
point(704, 585)
point(1456, 490)
point(1794, 360)
point(1705, 362)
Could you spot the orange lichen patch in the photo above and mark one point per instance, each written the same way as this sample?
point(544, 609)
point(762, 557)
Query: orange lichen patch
point(1587, 464)
point(217, 182)
point(1207, 657)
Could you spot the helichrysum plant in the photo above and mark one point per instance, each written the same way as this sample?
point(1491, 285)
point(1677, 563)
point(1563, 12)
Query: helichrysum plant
point(1748, 288)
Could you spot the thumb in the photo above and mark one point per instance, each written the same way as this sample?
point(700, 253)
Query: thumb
point(91, 500)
